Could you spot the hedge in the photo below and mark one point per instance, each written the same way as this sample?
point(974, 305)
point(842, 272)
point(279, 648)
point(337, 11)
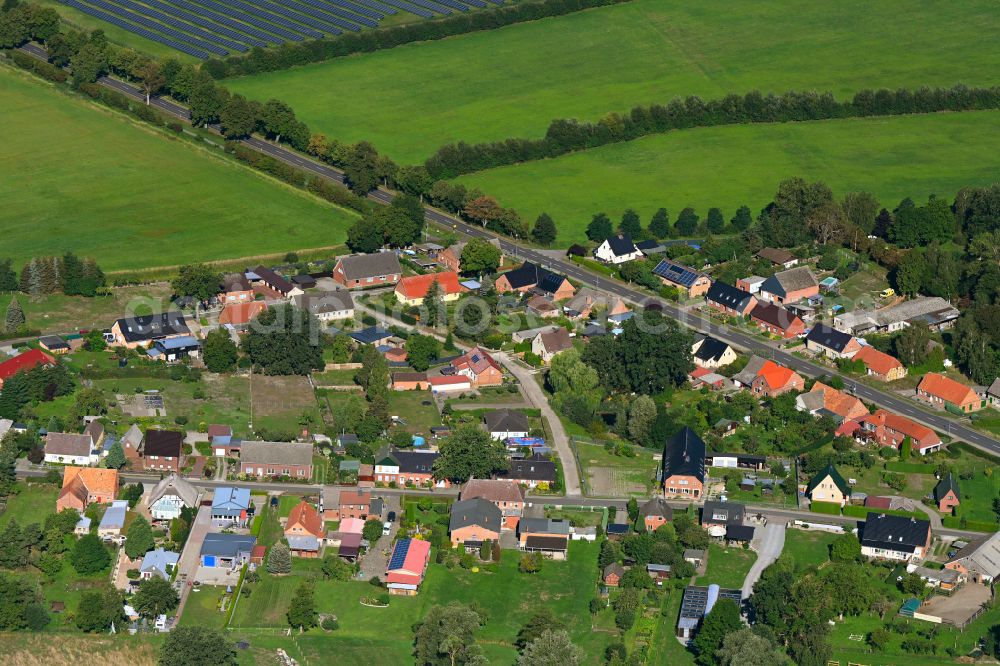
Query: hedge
point(863, 511)
point(40, 67)
point(829, 508)
point(962, 447)
point(909, 467)
point(954, 522)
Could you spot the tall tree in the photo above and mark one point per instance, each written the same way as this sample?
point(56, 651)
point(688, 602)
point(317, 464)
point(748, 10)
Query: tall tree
point(89, 556)
point(279, 559)
point(746, 648)
point(544, 231)
point(630, 223)
point(361, 168)
point(659, 225)
point(152, 77)
point(911, 346)
point(470, 452)
point(861, 209)
point(196, 646)
point(446, 637)
point(715, 222)
point(480, 256)
point(198, 281)
point(237, 118)
point(742, 220)
point(14, 318)
point(421, 350)
point(365, 236)
point(219, 351)
point(139, 539)
point(599, 228)
point(116, 457)
point(99, 609)
point(687, 222)
point(155, 597)
point(641, 414)
point(552, 648)
point(542, 621)
point(285, 341)
point(8, 278)
point(483, 210)
point(723, 619)
point(302, 612)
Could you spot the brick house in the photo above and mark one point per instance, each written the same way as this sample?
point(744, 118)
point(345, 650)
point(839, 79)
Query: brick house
point(947, 494)
point(880, 365)
point(83, 486)
point(776, 320)
point(895, 537)
point(655, 512)
point(832, 343)
point(162, 450)
point(773, 380)
point(691, 282)
point(355, 504)
point(531, 471)
point(413, 289)
point(531, 277)
point(683, 466)
point(143, 331)
point(304, 530)
point(410, 381)
point(473, 521)
point(886, 428)
point(407, 467)
point(729, 300)
point(613, 574)
point(789, 286)
point(479, 367)
point(25, 361)
point(367, 270)
point(235, 288)
point(944, 392)
point(505, 494)
point(276, 459)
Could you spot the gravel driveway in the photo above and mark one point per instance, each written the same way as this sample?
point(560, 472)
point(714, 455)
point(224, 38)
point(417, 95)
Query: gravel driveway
point(768, 541)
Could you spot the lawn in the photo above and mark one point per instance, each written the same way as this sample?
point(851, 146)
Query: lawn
point(202, 608)
point(727, 567)
point(409, 406)
point(513, 81)
point(32, 504)
point(608, 475)
point(730, 166)
point(979, 491)
point(869, 481)
point(57, 313)
point(808, 548)
point(131, 197)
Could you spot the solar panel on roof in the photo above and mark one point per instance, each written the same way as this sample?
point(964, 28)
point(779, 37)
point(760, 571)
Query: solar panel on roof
point(399, 554)
point(676, 273)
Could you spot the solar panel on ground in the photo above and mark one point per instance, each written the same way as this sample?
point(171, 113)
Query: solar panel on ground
point(325, 26)
point(382, 7)
point(253, 18)
point(339, 5)
point(222, 20)
point(162, 17)
point(431, 6)
point(158, 27)
point(358, 16)
point(135, 29)
point(337, 17)
point(273, 18)
point(410, 7)
point(454, 5)
point(475, 3)
point(204, 22)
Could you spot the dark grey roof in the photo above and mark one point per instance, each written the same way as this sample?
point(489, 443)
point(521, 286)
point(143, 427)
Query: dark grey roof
point(550, 283)
point(359, 266)
point(526, 275)
point(728, 296)
point(153, 327)
point(53, 342)
point(831, 338)
point(326, 301)
point(546, 543)
point(944, 485)
point(894, 532)
point(711, 349)
point(235, 282)
point(227, 545)
point(676, 273)
point(621, 245)
point(506, 420)
point(543, 526)
point(657, 507)
point(793, 279)
point(165, 443)
point(739, 532)
point(722, 513)
point(694, 605)
point(274, 280)
point(371, 335)
point(684, 455)
point(534, 468)
point(480, 512)
point(650, 247)
point(414, 462)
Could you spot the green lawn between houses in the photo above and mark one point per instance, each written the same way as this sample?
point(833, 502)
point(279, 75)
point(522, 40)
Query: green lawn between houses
point(144, 199)
point(512, 82)
point(727, 566)
point(57, 313)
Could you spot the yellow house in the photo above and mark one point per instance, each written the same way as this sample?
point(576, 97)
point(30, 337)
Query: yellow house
point(412, 290)
point(828, 486)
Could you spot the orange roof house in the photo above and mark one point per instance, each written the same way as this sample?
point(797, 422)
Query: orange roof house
point(412, 290)
point(25, 361)
point(83, 486)
point(880, 365)
point(304, 520)
point(240, 314)
point(944, 392)
point(773, 380)
point(826, 398)
point(889, 429)
point(479, 367)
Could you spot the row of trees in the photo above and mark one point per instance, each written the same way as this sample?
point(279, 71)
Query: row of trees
point(39, 384)
point(687, 224)
point(568, 135)
point(67, 274)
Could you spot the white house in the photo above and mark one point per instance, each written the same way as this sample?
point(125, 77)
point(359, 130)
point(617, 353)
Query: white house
point(547, 345)
point(171, 495)
point(895, 537)
point(328, 305)
point(70, 449)
point(502, 424)
point(617, 250)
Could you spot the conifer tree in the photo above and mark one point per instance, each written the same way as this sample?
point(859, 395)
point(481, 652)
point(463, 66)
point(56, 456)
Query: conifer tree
point(15, 316)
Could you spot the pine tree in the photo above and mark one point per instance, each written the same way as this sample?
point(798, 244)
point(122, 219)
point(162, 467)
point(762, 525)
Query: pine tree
point(15, 316)
point(544, 232)
point(630, 224)
point(27, 281)
point(279, 561)
point(659, 225)
point(8, 278)
point(116, 457)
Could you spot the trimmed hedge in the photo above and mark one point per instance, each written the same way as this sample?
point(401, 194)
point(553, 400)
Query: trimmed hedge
point(829, 508)
point(863, 511)
point(954, 522)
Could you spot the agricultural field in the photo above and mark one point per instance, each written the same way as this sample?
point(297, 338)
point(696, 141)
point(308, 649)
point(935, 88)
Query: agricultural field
point(730, 166)
point(513, 81)
point(143, 201)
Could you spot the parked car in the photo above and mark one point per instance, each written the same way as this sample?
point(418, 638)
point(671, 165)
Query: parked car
point(391, 518)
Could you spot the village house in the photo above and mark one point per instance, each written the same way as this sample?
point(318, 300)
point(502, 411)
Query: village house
point(944, 392)
point(410, 381)
point(831, 343)
point(479, 367)
point(276, 459)
point(531, 472)
point(750, 284)
point(304, 530)
point(543, 535)
point(655, 512)
point(993, 393)
point(505, 494)
point(717, 517)
point(174, 349)
point(372, 335)
point(946, 494)
point(131, 443)
point(934, 311)
point(730, 300)
point(582, 304)
point(96, 431)
point(709, 352)
point(827, 485)
point(887, 428)
point(235, 288)
point(451, 256)
point(613, 574)
point(778, 257)
point(880, 365)
point(162, 450)
point(473, 521)
point(53, 344)
point(355, 504)
point(159, 563)
point(541, 306)
point(617, 250)
point(895, 537)
point(826, 400)
point(113, 521)
point(238, 315)
point(689, 281)
point(271, 280)
point(452, 384)
point(683, 466)
point(367, 270)
point(220, 438)
point(143, 331)
point(70, 448)
point(790, 286)
point(407, 468)
point(171, 495)
point(698, 601)
point(547, 345)
point(979, 561)
point(407, 565)
point(328, 305)
point(530, 277)
point(413, 289)
point(83, 486)
point(226, 551)
point(768, 379)
point(230, 507)
point(25, 361)
point(505, 423)
point(776, 320)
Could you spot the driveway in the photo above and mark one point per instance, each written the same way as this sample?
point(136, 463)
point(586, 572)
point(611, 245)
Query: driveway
point(768, 541)
point(377, 558)
point(187, 566)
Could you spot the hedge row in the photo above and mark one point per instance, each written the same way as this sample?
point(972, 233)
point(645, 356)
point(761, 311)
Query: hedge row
point(565, 136)
point(829, 508)
point(954, 522)
point(35, 66)
point(863, 511)
point(290, 54)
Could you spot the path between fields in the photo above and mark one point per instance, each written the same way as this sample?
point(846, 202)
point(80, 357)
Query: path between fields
point(770, 542)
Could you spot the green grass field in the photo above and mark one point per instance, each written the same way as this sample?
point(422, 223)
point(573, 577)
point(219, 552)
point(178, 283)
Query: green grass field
point(513, 81)
point(893, 158)
point(727, 566)
point(78, 177)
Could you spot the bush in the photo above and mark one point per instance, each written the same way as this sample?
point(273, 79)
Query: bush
point(330, 623)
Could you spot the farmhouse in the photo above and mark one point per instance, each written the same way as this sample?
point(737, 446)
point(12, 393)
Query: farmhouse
point(791, 286)
point(528, 277)
point(828, 485)
point(479, 367)
point(832, 343)
point(683, 466)
point(142, 331)
point(272, 459)
point(689, 281)
point(709, 352)
point(895, 537)
point(717, 517)
point(70, 448)
point(944, 392)
point(413, 289)
point(531, 471)
point(171, 495)
point(328, 305)
point(274, 282)
point(547, 345)
point(617, 250)
point(890, 429)
point(880, 365)
point(367, 270)
point(776, 320)
point(730, 300)
point(162, 450)
point(473, 521)
point(230, 506)
point(772, 380)
point(407, 565)
point(83, 486)
point(505, 423)
point(778, 257)
point(946, 494)
point(235, 288)
point(505, 494)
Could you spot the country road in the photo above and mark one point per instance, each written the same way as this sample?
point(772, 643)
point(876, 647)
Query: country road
point(741, 340)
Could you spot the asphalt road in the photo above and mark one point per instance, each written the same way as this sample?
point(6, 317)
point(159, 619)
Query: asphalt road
point(741, 340)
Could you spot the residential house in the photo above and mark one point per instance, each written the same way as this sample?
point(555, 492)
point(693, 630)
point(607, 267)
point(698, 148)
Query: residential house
point(25, 361)
point(827, 485)
point(473, 521)
point(993, 393)
point(275, 282)
point(174, 349)
point(651, 247)
point(231, 507)
point(698, 601)
point(887, 428)
point(541, 306)
point(226, 551)
point(709, 352)
point(750, 284)
point(944, 392)
point(328, 305)
point(979, 561)
point(544, 535)
point(220, 438)
point(531, 277)
point(70, 448)
point(795, 284)
point(142, 331)
point(413, 289)
point(826, 400)
point(773, 380)
point(131, 443)
point(683, 466)
point(505, 423)
point(776, 320)
point(778, 257)
point(895, 537)
point(368, 270)
point(880, 365)
point(113, 521)
point(410, 381)
point(159, 563)
point(946, 494)
point(373, 335)
point(505, 494)
point(169, 496)
point(238, 315)
point(407, 468)
point(82, 527)
point(617, 250)
point(655, 512)
point(730, 300)
point(355, 504)
point(691, 282)
point(407, 565)
point(452, 384)
point(832, 343)
point(479, 367)
point(276, 459)
point(582, 304)
point(451, 256)
point(304, 530)
point(53, 344)
point(547, 345)
point(235, 288)
point(83, 486)
point(613, 574)
point(162, 450)
point(716, 517)
point(96, 431)
point(739, 534)
point(531, 472)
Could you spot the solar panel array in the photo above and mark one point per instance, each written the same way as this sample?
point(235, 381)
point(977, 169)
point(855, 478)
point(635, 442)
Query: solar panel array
point(398, 555)
point(202, 28)
point(676, 273)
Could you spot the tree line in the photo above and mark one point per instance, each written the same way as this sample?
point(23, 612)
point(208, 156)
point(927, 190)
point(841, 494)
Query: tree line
point(291, 54)
point(569, 135)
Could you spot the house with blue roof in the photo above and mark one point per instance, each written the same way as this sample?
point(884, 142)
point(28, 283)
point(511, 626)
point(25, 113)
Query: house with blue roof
point(174, 349)
point(113, 520)
point(693, 283)
point(158, 562)
point(231, 506)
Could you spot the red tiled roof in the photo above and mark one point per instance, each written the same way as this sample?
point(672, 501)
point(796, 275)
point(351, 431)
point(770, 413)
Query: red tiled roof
point(25, 361)
point(877, 502)
point(241, 313)
point(838, 402)
point(921, 435)
point(476, 359)
point(304, 514)
point(416, 286)
point(96, 480)
point(699, 372)
point(877, 361)
point(947, 389)
point(444, 380)
point(775, 375)
point(494, 490)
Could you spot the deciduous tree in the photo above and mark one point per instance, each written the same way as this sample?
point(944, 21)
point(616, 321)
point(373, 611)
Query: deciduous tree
point(219, 351)
point(155, 597)
point(470, 452)
point(480, 256)
point(196, 646)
